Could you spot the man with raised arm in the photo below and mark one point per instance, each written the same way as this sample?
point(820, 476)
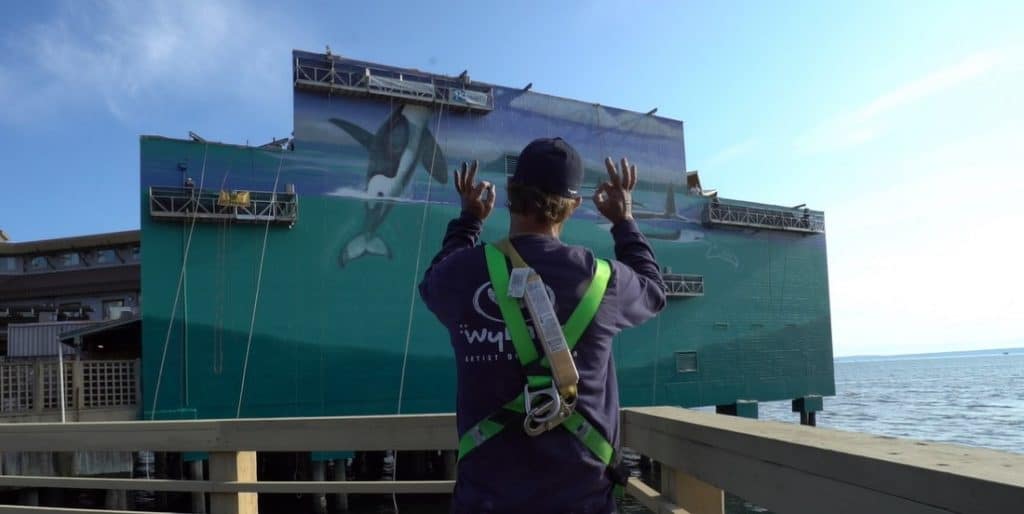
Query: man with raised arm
point(532, 440)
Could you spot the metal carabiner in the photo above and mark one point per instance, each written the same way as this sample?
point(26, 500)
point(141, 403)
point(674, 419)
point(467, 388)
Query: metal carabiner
point(545, 409)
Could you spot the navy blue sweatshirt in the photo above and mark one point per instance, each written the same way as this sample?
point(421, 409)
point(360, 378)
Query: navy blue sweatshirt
point(553, 472)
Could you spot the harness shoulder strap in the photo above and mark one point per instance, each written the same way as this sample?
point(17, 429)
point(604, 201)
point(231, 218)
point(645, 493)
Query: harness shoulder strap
point(510, 311)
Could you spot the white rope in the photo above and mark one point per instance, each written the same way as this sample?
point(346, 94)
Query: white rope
point(259, 282)
point(177, 292)
point(416, 271)
point(412, 298)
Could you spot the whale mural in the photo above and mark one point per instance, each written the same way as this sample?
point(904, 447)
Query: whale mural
point(399, 146)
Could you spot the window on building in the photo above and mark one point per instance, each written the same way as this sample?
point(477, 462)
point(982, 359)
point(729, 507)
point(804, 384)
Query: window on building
point(38, 263)
point(106, 256)
point(109, 306)
point(10, 264)
point(135, 253)
point(70, 260)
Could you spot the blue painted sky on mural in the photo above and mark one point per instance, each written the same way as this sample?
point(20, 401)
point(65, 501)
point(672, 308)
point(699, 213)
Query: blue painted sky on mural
point(903, 122)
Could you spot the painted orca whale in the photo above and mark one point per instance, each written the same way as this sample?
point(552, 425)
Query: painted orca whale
point(401, 143)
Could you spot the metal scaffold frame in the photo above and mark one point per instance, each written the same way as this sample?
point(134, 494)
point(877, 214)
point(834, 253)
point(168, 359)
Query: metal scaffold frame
point(334, 76)
point(677, 284)
point(183, 203)
point(723, 212)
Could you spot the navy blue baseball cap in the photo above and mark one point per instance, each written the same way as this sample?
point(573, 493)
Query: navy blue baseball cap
point(551, 165)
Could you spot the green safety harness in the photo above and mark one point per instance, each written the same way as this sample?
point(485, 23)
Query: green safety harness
point(536, 370)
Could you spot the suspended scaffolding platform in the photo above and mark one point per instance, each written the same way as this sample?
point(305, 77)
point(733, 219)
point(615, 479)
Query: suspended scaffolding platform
point(186, 203)
point(682, 285)
point(334, 75)
point(726, 212)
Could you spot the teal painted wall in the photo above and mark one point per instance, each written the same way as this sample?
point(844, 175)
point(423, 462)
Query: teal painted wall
point(330, 332)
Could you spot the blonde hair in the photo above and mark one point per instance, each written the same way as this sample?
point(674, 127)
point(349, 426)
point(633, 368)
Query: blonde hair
point(541, 206)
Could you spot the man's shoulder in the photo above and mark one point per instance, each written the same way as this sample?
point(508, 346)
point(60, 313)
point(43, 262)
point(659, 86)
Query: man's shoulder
point(463, 257)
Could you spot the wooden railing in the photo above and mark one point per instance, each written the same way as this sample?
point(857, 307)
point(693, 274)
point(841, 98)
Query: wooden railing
point(786, 468)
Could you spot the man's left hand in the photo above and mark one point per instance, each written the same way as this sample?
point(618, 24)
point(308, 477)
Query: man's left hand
point(477, 197)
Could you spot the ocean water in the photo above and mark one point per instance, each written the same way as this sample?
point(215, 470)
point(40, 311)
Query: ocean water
point(975, 400)
point(970, 400)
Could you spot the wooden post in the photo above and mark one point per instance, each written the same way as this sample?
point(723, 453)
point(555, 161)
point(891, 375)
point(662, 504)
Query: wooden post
point(233, 467)
point(690, 493)
point(38, 388)
point(77, 386)
point(138, 383)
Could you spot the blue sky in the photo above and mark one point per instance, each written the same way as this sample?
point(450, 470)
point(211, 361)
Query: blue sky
point(904, 121)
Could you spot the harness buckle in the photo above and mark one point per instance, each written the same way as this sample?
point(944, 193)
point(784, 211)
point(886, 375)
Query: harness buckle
point(545, 409)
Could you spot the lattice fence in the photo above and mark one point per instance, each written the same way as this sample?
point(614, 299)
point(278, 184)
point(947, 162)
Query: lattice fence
point(16, 384)
point(51, 386)
point(109, 383)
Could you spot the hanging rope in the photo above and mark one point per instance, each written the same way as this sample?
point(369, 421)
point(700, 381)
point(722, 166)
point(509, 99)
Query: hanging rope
point(259, 282)
point(416, 269)
point(412, 298)
point(177, 292)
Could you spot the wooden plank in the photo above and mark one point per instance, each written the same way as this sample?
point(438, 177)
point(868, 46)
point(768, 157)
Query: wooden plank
point(936, 477)
point(21, 509)
point(690, 493)
point(652, 500)
point(287, 487)
point(361, 487)
point(944, 476)
point(414, 432)
point(237, 467)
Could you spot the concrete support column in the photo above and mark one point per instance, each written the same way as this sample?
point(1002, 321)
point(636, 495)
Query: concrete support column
point(28, 497)
point(318, 468)
point(451, 462)
point(742, 408)
point(340, 499)
point(116, 500)
point(195, 472)
point(808, 407)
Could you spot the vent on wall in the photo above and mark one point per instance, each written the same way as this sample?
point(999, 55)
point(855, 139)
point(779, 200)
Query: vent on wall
point(686, 362)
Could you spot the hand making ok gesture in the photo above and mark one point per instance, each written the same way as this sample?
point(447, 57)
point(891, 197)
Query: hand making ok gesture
point(477, 198)
point(614, 198)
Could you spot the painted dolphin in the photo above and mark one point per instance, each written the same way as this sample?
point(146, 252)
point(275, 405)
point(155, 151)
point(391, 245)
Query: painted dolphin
point(401, 143)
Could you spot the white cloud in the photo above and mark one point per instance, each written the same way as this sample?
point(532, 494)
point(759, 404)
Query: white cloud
point(122, 54)
point(866, 122)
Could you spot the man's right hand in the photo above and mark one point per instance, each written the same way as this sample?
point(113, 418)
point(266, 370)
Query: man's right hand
point(477, 197)
point(613, 198)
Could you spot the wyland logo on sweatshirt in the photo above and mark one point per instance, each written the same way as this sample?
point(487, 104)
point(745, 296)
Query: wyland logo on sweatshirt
point(486, 306)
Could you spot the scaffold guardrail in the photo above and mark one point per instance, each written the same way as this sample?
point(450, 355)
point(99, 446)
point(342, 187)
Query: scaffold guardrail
point(677, 284)
point(185, 203)
point(724, 212)
point(343, 77)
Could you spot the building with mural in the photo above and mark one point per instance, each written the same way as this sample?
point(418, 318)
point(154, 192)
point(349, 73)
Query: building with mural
point(280, 280)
